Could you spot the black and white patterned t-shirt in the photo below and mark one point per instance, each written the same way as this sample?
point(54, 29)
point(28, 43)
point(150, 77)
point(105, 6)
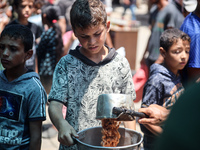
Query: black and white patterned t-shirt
point(78, 82)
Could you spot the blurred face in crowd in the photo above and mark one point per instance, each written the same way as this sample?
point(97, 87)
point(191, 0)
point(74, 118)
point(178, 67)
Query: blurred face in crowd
point(154, 1)
point(25, 9)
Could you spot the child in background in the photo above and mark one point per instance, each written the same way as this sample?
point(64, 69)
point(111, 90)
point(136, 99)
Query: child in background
point(24, 9)
point(49, 49)
point(85, 73)
point(164, 84)
point(22, 95)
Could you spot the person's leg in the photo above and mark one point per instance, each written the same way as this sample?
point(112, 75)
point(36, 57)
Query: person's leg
point(133, 8)
point(125, 8)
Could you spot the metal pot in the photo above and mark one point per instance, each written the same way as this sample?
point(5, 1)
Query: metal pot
point(106, 102)
point(90, 139)
point(117, 106)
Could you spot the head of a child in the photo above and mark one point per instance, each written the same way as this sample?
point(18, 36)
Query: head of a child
point(16, 42)
point(86, 13)
point(89, 22)
point(23, 8)
point(50, 14)
point(175, 48)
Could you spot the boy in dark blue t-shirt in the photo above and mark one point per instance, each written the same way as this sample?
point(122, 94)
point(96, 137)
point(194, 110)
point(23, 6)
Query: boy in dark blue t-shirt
point(164, 84)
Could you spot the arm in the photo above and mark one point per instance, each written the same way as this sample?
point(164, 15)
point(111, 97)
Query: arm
point(154, 129)
point(63, 25)
point(65, 130)
point(157, 114)
point(35, 135)
point(130, 124)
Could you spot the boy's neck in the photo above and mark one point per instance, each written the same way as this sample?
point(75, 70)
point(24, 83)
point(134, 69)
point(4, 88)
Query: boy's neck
point(162, 4)
point(175, 72)
point(14, 74)
point(23, 22)
point(97, 57)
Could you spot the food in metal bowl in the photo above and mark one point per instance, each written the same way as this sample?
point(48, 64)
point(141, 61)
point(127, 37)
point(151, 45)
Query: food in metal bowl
point(110, 133)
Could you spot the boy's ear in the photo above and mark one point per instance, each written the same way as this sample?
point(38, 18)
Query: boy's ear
point(108, 26)
point(29, 54)
point(162, 52)
point(44, 15)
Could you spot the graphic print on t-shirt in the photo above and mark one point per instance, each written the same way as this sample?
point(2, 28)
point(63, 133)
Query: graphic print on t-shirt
point(10, 105)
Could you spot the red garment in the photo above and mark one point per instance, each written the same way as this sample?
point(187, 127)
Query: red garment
point(139, 80)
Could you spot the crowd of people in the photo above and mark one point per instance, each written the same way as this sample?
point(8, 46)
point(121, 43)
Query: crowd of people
point(40, 68)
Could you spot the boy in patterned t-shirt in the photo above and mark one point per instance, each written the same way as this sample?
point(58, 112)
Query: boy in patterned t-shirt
point(85, 73)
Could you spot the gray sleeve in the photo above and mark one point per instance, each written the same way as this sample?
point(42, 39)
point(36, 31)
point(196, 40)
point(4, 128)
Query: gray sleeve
point(128, 85)
point(60, 84)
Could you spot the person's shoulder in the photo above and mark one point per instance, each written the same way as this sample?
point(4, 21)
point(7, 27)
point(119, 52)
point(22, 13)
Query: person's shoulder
point(66, 60)
point(12, 22)
point(157, 72)
point(31, 78)
point(189, 24)
point(33, 25)
point(171, 9)
point(191, 18)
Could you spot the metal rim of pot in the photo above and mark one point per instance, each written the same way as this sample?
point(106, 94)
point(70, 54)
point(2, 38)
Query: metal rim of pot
point(117, 147)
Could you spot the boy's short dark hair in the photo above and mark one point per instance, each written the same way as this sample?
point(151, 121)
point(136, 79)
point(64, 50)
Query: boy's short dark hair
point(169, 36)
point(18, 31)
point(86, 13)
point(17, 2)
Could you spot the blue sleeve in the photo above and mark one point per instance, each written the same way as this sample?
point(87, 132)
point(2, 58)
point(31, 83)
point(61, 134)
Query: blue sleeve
point(194, 59)
point(37, 103)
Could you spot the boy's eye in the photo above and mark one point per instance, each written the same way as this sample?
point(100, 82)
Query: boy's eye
point(97, 34)
point(30, 6)
point(187, 51)
point(1, 47)
point(176, 51)
point(12, 48)
point(23, 6)
point(84, 37)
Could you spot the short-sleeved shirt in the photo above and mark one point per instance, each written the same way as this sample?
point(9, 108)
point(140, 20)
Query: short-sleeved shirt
point(22, 101)
point(191, 26)
point(78, 81)
point(160, 20)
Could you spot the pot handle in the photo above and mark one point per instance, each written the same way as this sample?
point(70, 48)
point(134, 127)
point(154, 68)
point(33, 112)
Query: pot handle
point(119, 110)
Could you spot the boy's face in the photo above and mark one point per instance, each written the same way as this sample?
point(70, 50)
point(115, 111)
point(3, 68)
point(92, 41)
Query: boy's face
point(93, 38)
point(177, 56)
point(12, 53)
point(25, 9)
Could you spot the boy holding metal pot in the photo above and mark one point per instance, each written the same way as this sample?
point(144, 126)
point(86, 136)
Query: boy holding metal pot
point(86, 72)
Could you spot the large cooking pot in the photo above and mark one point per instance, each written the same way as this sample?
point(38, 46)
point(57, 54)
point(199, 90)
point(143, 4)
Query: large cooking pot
point(90, 139)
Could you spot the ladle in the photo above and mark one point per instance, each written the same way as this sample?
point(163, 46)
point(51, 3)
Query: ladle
point(117, 106)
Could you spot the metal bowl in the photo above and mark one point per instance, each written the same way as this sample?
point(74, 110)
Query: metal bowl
point(90, 139)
